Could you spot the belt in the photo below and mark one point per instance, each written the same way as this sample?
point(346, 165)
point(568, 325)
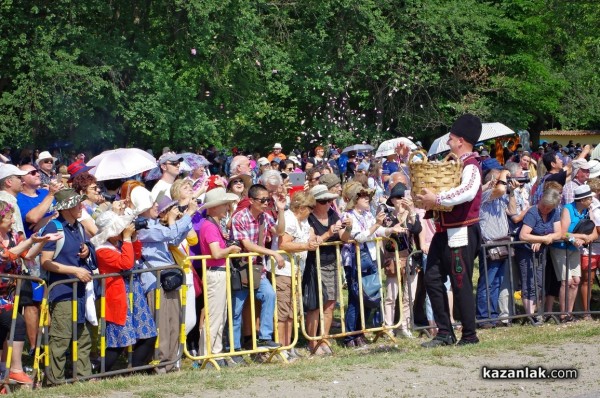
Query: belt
point(216, 269)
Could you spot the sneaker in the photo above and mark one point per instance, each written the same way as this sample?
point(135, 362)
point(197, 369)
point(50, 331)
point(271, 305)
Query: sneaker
point(567, 319)
point(407, 334)
point(220, 362)
point(270, 344)
point(467, 341)
point(439, 341)
point(20, 377)
point(535, 321)
point(294, 353)
point(236, 360)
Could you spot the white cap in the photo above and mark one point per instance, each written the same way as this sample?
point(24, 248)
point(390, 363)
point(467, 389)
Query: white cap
point(263, 161)
point(277, 146)
point(7, 170)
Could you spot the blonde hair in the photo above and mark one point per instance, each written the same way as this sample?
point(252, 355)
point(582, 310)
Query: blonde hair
point(594, 184)
point(302, 199)
point(176, 188)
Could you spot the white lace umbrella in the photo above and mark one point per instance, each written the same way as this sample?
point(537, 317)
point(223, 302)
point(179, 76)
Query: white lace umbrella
point(388, 147)
point(488, 131)
point(121, 163)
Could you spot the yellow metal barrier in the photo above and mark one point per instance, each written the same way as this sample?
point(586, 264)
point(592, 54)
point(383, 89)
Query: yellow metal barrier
point(211, 357)
point(380, 330)
point(45, 325)
point(19, 279)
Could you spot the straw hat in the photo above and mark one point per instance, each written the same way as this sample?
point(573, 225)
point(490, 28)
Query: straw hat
point(353, 191)
point(110, 224)
point(216, 197)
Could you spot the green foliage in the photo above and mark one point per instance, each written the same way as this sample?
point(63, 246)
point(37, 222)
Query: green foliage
point(191, 73)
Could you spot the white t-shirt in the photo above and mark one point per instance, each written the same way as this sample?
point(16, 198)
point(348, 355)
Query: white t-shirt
point(300, 231)
point(161, 186)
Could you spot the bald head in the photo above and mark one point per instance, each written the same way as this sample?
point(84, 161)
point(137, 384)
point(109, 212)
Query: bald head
point(240, 165)
point(395, 178)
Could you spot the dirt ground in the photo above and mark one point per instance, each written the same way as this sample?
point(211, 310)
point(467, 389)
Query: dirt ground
point(456, 375)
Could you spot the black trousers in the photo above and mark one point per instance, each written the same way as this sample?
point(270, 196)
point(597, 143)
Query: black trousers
point(443, 261)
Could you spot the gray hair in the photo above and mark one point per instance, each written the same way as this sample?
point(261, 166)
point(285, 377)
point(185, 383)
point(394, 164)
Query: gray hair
point(271, 177)
point(512, 167)
point(550, 197)
point(235, 162)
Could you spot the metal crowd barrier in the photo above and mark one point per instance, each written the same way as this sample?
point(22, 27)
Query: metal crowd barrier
point(211, 357)
point(540, 286)
point(19, 279)
point(129, 275)
point(379, 330)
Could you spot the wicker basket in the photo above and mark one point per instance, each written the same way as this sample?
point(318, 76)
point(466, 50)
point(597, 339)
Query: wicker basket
point(437, 176)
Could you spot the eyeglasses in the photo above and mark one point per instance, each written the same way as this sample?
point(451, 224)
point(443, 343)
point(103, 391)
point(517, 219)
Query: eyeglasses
point(315, 178)
point(173, 163)
point(47, 161)
point(261, 200)
point(94, 187)
point(237, 181)
point(324, 201)
point(32, 172)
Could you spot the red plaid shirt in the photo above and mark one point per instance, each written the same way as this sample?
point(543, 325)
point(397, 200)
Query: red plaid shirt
point(245, 226)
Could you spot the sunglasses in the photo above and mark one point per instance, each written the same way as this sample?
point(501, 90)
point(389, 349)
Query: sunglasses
point(32, 172)
point(315, 178)
point(237, 181)
point(47, 161)
point(364, 195)
point(310, 207)
point(173, 163)
point(261, 200)
point(289, 169)
point(325, 201)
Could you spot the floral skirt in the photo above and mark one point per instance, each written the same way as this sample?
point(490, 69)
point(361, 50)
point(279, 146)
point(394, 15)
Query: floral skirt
point(138, 325)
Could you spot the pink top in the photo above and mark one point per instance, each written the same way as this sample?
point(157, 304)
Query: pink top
point(210, 233)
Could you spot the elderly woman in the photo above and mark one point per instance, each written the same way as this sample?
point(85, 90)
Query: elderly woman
point(327, 227)
point(212, 241)
point(239, 185)
point(128, 323)
point(12, 250)
point(364, 229)
point(541, 226)
point(94, 204)
point(590, 261)
point(407, 225)
point(299, 237)
point(568, 254)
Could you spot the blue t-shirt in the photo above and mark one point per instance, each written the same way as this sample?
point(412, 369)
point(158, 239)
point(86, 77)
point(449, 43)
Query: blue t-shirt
point(27, 203)
point(68, 255)
point(538, 226)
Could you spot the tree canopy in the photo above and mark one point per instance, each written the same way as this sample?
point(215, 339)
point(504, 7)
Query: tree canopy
point(190, 73)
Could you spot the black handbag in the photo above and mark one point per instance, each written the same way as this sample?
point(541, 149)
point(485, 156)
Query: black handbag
point(171, 279)
point(310, 289)
point(585, 227)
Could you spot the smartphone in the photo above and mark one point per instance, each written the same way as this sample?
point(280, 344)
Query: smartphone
point(297, 179)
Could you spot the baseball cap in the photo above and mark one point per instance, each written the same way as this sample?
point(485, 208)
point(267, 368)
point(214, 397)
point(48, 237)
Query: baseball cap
point(170, 157)
point(8, 170)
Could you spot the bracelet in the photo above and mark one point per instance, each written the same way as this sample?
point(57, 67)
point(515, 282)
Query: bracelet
point(127, 240)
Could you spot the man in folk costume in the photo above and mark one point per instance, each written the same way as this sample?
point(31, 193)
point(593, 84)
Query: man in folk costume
point(457, 239)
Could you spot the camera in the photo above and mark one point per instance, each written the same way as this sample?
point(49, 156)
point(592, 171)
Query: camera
point(140, 223)
point(520, 180)
point(182, 208)
point(108, 197)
